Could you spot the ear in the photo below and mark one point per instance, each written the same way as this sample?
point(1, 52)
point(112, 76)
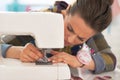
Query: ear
point(64, 12)
point(68, 7)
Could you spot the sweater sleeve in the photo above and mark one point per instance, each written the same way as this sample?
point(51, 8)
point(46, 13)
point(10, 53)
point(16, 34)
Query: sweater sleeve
point(4, 48)
point(102, 55)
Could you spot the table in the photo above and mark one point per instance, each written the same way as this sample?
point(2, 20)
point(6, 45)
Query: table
point(87, 75)
point(13, 69)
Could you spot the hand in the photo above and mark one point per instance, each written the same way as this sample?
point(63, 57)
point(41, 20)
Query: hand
point(65, 58)
point(30, 53)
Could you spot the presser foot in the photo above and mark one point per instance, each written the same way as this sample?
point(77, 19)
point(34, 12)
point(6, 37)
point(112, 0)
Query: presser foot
point(43, 63)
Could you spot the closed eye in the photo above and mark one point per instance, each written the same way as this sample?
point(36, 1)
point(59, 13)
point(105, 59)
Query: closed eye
point(70, 29)
point(81, 39)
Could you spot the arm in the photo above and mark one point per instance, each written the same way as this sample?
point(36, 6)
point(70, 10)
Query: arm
point(66, 56)
point(28, 53)
point(4, 48)
point(103, 57)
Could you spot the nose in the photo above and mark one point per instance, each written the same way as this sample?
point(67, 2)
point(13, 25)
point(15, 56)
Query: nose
point(71, 39)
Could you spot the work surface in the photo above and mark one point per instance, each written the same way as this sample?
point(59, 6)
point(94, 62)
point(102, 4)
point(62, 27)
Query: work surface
point(12, 69)
point(87, 75)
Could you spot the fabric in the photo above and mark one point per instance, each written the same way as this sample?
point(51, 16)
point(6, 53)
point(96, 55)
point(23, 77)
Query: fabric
point(84, 55)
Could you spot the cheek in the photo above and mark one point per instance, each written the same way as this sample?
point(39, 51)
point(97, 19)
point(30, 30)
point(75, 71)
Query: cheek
point(65, 30)
point(77, 41)
point(65, 33)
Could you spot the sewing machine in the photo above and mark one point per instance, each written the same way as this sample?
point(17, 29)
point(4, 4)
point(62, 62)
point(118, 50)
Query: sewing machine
point(48, 30)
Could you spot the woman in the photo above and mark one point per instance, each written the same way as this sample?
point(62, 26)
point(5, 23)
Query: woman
point(83, 23)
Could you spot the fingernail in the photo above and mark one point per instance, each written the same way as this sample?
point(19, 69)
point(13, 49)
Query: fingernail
point(53, 61)
point(64, 61)
point(49, 60)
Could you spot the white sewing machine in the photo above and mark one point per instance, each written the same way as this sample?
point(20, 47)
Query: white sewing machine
point(48, 31)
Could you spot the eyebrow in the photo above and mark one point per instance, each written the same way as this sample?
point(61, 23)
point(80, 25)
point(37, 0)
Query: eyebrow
point(80, 38)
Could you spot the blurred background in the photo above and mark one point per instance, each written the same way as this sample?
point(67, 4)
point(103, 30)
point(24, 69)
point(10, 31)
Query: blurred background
point(26, 5)
point(112, 33)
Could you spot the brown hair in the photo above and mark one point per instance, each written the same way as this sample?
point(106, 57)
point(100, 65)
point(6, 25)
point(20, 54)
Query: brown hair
point(96, 13)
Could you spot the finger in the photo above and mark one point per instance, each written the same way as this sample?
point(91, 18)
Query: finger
point(34, 49)
point(28, 58)
point(24, 60)
point(52, 59)
point(33, 56)
point(56, 59)
point(40, 54)
point(54, 52)
point(59, 60)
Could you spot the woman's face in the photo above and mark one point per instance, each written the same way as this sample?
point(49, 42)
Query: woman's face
point(76, 30)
